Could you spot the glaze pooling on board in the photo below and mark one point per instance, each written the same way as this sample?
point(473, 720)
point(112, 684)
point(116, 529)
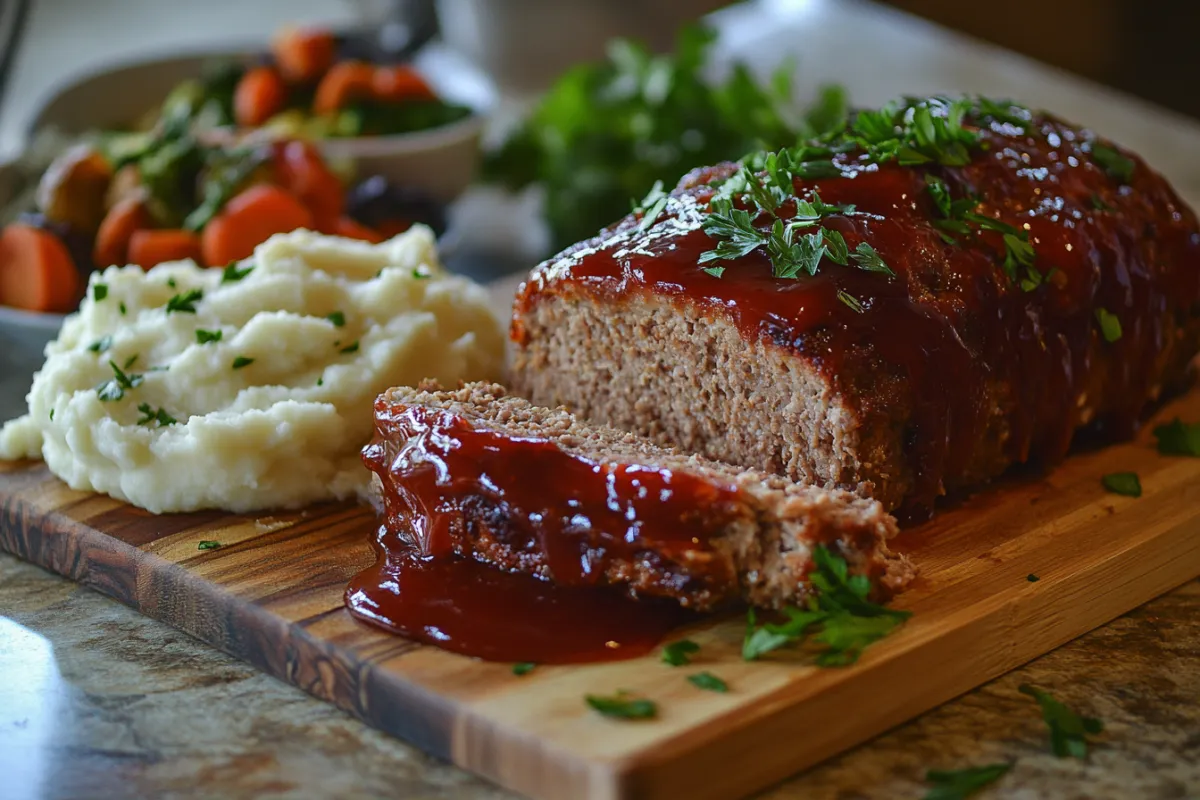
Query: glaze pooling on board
point(576, 518)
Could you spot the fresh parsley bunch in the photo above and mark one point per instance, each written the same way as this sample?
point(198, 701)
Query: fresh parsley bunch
point(606, 132)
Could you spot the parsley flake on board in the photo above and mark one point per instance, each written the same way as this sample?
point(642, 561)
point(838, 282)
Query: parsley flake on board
point(1110, 325)
point(154, 415)
point(708, 682)
point(115, 387)
point(232, 273)
point(204, 337)
point(185, 303)
point(623, 705)
point(1068, 730)
point(208, 545)
point(1178, 438)
point(1126, 483)
point(840, 618)
point(523, 668)
point(960, 784)
point(679, 653)
point(242, 361)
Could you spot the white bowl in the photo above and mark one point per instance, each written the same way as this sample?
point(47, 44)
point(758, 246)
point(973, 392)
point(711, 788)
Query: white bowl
point(442, 161)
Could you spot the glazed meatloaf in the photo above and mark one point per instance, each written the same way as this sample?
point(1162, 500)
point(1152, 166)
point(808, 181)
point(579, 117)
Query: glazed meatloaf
point(475, 473)
point(907, 306)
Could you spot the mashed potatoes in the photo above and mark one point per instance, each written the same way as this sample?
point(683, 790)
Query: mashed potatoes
point(183, 388)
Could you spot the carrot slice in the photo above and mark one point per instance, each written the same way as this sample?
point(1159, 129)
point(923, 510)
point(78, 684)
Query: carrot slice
point(36, 271)
point(397, 83)
point(260, 95)
point(353, 229)
point(300, 169)
point(302, 55)
point(149, 248)
point(249, 219)
point(344, 83)
point(112, 240)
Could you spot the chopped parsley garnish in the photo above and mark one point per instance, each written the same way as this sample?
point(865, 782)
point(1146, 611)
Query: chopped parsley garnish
point(115, 387)
point(208, 544)
point(337, 318)
point(678, 653)
point(840, 617)
point(1178, 438)
point(350, 348)
point(185, 303)
point(1112, 162)
point(99, 291)
point(1126, 483)
point(960, 784)
point(101, 345)
point(233, 273)
point(242, 361)
point(651, 207)
point(523, 668)
point(154, 415)
point(849, 300)
point(204, 337)
point(1110, 325)
point(1032, 578)
point(1068, 730)
point(623, 706)
point(708, 682)
point(958, 218)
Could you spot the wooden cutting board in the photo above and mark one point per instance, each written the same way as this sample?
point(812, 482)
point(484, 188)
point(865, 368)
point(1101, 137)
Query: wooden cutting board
point(272, 595)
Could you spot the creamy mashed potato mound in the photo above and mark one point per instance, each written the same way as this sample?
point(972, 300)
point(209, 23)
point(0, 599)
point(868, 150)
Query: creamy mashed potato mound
point(185, 388)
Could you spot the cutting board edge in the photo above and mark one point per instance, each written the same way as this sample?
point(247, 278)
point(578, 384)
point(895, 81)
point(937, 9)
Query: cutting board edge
point(305, 663)
point(651, 773)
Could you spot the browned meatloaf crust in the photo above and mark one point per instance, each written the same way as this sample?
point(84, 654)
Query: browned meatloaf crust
point(942, 377)
point(475, 473)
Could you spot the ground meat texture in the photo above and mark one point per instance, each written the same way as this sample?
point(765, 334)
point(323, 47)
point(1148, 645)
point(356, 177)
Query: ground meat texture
point(474, 473)
point(949, 372)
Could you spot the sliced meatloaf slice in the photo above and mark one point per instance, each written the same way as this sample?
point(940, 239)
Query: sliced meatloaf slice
point(898, 324)
point(475, 473)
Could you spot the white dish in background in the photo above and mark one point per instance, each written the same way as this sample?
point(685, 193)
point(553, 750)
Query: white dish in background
point(441, 162)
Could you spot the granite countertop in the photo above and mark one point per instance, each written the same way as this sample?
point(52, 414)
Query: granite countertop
point(97, 701)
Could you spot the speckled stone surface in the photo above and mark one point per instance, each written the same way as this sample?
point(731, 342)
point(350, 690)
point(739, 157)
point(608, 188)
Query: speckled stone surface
point(97, 701)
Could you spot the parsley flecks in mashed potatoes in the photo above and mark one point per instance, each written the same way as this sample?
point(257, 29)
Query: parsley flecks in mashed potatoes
point(285, 429)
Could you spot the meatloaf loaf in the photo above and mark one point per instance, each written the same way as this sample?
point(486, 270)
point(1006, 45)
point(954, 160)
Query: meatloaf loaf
point(910, 305)
point(477, 474)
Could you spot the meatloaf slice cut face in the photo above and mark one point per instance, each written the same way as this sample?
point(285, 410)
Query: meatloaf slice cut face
point(477, 474)
point(910, 305)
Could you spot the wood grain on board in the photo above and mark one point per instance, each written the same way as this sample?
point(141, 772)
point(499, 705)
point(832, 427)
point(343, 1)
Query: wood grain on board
point(272, 594)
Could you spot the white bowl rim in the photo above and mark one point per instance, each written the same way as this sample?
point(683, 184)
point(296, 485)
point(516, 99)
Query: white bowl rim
point(38, 320)
point(413, 141)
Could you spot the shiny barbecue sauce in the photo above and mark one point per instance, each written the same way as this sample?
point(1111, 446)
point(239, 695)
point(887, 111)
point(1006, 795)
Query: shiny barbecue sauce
point(572, 525)
point(950, 321)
